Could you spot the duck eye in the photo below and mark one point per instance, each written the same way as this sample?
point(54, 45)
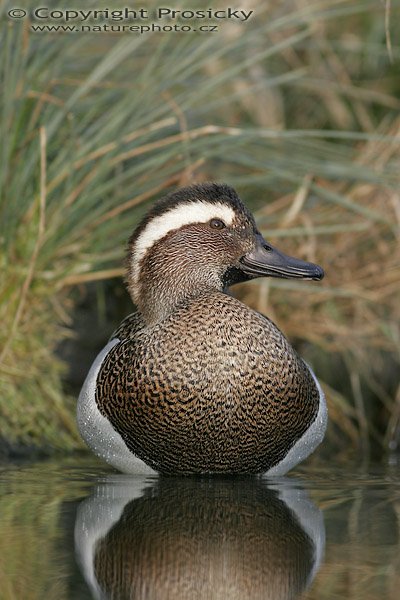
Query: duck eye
point(217, 224)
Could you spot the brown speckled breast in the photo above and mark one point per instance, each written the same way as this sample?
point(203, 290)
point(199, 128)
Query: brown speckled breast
point(129, 327)
point(215, 387)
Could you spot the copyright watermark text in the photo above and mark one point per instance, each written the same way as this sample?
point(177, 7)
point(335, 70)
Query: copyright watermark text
point(45, 19)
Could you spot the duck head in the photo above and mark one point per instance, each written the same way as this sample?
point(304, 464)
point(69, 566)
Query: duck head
point(198, 239)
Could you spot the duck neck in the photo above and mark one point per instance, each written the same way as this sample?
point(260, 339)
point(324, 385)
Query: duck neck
point(158, 297)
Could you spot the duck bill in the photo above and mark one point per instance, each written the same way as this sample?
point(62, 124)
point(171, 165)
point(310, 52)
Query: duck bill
point(266, 261)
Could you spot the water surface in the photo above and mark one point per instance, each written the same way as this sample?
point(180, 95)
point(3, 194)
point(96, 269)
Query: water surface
point(74, 529)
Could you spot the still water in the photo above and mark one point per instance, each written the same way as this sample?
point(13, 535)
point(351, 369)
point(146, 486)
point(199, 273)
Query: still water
point(74, 529)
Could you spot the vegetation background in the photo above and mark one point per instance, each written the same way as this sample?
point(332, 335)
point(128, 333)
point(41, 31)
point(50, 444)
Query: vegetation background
point(298, 108)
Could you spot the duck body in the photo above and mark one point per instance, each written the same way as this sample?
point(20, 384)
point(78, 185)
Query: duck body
point(210, 386)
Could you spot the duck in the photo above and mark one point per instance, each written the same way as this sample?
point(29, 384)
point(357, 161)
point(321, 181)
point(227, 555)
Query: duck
point(195, 382)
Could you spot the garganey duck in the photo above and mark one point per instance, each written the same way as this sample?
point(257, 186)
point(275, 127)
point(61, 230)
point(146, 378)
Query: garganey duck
point(195, 381)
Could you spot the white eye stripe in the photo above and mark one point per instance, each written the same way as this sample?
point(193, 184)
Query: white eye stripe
point(175, 218)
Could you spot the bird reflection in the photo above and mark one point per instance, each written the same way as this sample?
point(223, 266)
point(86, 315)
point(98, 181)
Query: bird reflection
point(198, 538)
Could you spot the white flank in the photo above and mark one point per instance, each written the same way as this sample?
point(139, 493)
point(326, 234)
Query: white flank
point(309, 440)
point(97, 431)
point(183, 214)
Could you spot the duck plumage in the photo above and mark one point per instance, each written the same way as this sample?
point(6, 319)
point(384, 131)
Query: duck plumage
point(196, 381)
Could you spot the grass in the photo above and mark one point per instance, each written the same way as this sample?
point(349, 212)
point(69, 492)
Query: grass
point(297, 109)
